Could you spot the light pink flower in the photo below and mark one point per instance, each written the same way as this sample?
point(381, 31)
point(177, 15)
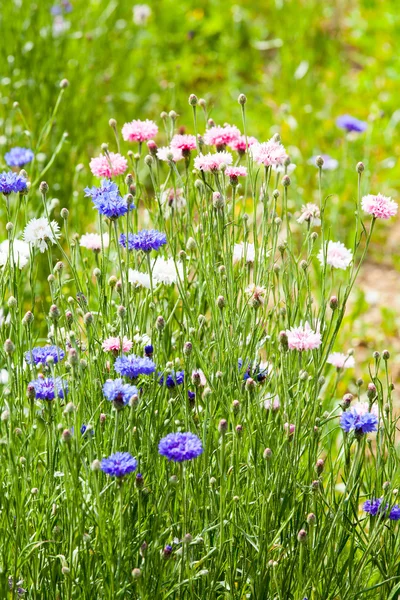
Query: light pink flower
point(139, 131)
point(289, 428)
point(185, 143)
point(362, 408)
point(92, 241)
point(310, 213)
point(303, 338)
point(235, 172)
point(221, 136)
point(272, 403)
point(113, 344)
point(212, 162)
point(240, 143)
point(199, 377)
point(380, 207)
point(341, 361)
point(337, 255)
point(108, 165)
point(168, 153)
point(268, 153)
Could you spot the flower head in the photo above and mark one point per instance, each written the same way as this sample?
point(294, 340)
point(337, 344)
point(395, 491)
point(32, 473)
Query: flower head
point(166, 271)
point(221, 136)
point(173, 198)
point(394, 514)
point(141, 14)
point(234, 172)
point(180, 446)
point(92, 241)
point(146, 240)
point(139, 131)
point(255, 294)
point(172, 379)
point(18, 157)
point(132, 366)
point(41, 234)
point(380, 207)
point(240, 143)
point(19, 255)
point(212, 162)
point(40, 354)
point(108, 165)
point(303, 338)
point(119, 392)
point(119, 464)
point(168, 153)
point(310, 213)
point(340, 360)
point(113, 344)
point(349, 123)
point(372, 506)
point(268, 153)
point(47, 388)
point(242, 251)
point(337, 255)
point(184, 143)
point(360, 423)
point(108, 200)
point(11, 182)
point(139, 279)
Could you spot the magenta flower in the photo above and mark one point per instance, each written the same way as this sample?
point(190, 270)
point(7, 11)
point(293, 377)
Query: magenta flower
point(269, 153)
point(212, 162)
point(139, 131)
point(337, 255)
point(113, 344)
point(235, 172)
point(303, 338)
point(184, 143)
point(109, 165)
point(240, 143)
point(222, 136)
point(380, 207)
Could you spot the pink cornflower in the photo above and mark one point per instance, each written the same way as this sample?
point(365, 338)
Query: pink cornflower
point(92, 241)
point(168, 153)
point(139, 131)
point(212, 162)
point(234, 172)
point(221, 136)
point(184, 143)
point(303, 338)
point(240, 143)
point(108, 165)
point(310, 213)
point(268, 153)
point(289, 428)
point(337, 255)
point(380, 207)
point(340, 360)
point(113, 344)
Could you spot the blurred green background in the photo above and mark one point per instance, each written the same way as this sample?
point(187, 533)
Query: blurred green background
point(300, 63)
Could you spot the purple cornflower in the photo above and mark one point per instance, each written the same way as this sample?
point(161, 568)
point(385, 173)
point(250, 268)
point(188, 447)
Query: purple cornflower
point(108, 200)
point(132, 366)
point(146, 240)
point(180, 446)
point(148, 350)
point(119, 392)
point(372, 507)
point(349, 123)
point(394, 514)
point(351, 420)
point(47, 388)
point(119, 464)
point(18, 157)
point(172, 379)
point(191, 395)
point(11, 182)
point(41, 354)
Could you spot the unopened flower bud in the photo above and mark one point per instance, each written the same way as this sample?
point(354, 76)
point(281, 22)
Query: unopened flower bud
point(12, 302)
point(311, 519)
point(223, 426)
point(66, 435)
point(64, 213)
point(319, 161)
point(360, 167)
point(242, 99)
point(187, 348)
point(88, 318)
point(220, 302)
point(319, 466)
point(9, 346)
point(285, 180)
point(333, 303)
point(64, 83)
point(160, 323)
point(43, 187)
point(302, 536)
point(267, 453)
point(28, 318)
point(193, 100)
point(148, 160)
point(386, 355)
point(371, 391)
point(136, 573)
point(54, 313)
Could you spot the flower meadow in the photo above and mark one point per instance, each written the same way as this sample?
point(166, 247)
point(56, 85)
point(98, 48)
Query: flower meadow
point(181, 416)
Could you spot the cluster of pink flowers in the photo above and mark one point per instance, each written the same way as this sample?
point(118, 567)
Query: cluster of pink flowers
point(113, 344)
point(168, 153)
point(303, 338)
point(212, 162)
point(268, 153)
point(337, 255)
point(184, 143)
point(108, 165)
point(139, 131)
point(380, 207)
point(222, 136)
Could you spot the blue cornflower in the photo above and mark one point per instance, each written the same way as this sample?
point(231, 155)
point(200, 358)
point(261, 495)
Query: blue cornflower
point(148, 350)
point(119, 464)
point(108, 200)
point(394, 514)
point(11, 182)
point(146, 240)
point(172, 379)
point(119, 392)
point(47, 388)
point(372, 507)
point(350, 123)
point(84, 429)
point(254, 371)
point(132, 366)
point(18, 157)
point(360, 423)
point(180, 446)
point(40, 354)
point(191, 395)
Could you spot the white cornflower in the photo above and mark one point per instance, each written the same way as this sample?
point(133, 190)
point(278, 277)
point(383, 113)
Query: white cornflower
point(166, 271)
point(92, 241)
point(241, 251)
point(20, 251)
point(40, 233)
point(139, 279)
